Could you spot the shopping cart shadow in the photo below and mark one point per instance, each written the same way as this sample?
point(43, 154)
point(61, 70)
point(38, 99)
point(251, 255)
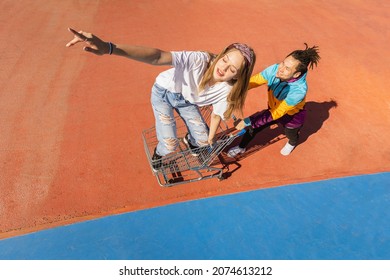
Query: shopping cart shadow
point(262, 140)
point(317, 114)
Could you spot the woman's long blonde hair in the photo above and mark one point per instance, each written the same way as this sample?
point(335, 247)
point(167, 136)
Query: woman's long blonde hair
point(236, 97)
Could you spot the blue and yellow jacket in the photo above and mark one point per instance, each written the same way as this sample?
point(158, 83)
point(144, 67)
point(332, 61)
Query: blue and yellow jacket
point(283, 97)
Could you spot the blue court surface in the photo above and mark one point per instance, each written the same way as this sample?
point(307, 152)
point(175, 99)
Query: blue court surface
point(343, 218)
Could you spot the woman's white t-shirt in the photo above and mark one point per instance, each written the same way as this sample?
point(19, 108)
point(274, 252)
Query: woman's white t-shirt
point(186, 76)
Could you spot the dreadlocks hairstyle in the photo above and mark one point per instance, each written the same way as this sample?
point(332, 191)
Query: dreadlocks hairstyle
point(307, 58)
point(238, 93)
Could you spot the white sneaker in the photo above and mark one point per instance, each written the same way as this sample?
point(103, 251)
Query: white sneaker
point(233, 152)
point(287, 149)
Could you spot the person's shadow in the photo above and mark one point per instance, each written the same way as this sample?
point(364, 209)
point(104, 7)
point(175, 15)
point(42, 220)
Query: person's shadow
point(317, 114)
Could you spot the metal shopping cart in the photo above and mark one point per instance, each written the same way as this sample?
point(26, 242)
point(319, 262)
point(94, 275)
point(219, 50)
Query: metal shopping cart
point(182, 166)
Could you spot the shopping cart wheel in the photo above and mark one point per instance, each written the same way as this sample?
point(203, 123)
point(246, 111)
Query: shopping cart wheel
point(221, 177)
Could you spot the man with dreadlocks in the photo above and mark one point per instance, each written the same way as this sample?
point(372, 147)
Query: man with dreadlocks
point(287, 88)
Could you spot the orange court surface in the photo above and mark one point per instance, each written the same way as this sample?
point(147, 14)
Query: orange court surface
point(71, 122)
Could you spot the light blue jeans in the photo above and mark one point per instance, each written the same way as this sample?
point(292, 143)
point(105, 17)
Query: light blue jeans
point(164, 103)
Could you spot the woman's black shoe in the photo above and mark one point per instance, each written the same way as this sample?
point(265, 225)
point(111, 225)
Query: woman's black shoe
point(194, 149)
point(156, 161)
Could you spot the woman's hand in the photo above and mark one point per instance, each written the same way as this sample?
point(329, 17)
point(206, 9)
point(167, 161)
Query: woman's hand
point(94, 44)
point(236, 121)
point(211, 141)
point(139, 53)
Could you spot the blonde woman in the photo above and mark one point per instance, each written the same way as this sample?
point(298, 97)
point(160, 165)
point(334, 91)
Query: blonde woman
point(196, 79)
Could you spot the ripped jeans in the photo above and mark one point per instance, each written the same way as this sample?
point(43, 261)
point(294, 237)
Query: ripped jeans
point(164, 103)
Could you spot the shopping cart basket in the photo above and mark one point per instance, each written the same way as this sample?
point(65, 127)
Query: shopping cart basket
point(182, 166)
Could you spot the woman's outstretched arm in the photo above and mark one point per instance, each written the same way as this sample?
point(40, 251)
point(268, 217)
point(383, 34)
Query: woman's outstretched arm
point(99, 47)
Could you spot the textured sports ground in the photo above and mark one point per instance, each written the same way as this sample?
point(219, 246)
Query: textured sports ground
point(75, 182)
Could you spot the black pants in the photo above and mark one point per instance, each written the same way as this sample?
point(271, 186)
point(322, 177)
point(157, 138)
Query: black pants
point(292, 135)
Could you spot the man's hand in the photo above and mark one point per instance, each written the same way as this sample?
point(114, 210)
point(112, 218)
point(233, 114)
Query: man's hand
point(240, 125)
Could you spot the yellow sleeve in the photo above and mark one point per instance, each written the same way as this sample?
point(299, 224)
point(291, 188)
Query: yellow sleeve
point(256, 80)
point(281, 109)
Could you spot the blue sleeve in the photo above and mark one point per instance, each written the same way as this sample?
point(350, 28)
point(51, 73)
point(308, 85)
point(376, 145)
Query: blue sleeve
point(269, 73)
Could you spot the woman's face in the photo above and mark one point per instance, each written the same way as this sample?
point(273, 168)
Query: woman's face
point(228, 66)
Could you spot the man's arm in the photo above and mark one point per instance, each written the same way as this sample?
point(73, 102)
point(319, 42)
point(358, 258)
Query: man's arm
point(256, 81)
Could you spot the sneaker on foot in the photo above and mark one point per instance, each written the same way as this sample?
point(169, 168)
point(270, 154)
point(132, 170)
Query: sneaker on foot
point(287, 149)
point(236, 150)
point(194, 149)
point(156, 161)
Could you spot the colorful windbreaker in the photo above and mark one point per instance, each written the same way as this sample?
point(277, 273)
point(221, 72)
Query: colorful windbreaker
point(283, 97)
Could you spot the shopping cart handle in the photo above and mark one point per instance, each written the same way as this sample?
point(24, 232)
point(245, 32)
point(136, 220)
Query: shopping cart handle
point(226, 141)
point(241, 132)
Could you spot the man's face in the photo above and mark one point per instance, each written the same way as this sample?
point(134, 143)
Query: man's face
point(287, 69)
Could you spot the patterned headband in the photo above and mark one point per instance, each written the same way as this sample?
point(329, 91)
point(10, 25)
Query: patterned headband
point(246, 51)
